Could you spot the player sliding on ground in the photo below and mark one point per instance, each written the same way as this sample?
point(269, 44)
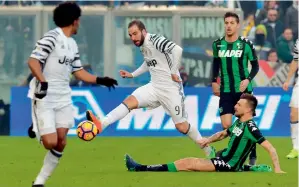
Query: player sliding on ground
point(52, 61)
point(162, 59)
point(244, 134)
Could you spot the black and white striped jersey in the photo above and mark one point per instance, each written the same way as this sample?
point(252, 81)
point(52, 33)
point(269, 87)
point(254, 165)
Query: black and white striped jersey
point(160, 58)
point(59, 57)
point(295, 50)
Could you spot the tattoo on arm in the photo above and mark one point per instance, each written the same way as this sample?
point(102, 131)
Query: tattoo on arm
point(218, 136)
point(274, 157)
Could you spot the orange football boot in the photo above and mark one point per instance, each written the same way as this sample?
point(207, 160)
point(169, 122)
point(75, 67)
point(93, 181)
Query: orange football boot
point(91, 117)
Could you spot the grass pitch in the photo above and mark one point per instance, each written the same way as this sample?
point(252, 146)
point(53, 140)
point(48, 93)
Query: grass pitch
point(101, 163)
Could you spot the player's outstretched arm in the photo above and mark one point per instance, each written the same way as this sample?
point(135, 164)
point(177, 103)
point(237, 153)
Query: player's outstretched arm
point(273, 154)
point(90, 78)
point(214, 138)
point(142, 69)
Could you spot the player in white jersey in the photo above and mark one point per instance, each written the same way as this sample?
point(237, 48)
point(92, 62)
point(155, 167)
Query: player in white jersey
point(162, 59)
point(53, 59)
point(293, 103)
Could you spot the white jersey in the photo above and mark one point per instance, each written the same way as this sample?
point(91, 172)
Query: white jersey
point(59, 57)
point(160, 59)
point(296, 56)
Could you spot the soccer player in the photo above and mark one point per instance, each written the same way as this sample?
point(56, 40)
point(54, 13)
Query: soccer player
point(162, 59)
point(54, 57)
point(231, 55)
point(293, 103)
point(243, 135)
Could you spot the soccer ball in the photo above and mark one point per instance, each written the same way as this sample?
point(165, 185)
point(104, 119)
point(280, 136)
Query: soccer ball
point(87, 130)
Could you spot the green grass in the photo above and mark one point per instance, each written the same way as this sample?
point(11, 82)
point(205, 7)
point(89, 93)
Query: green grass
point(101, 163)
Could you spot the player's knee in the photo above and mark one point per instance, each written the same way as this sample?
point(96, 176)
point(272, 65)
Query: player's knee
point(182, 127)
point(226, 125)
point(294, 116)
point(131, 102)
point(61, 144)
point(49, 143)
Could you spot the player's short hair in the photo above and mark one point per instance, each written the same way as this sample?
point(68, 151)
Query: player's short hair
point(252, 101)
point(232, 14)
point(66, 13)
point(138, 23)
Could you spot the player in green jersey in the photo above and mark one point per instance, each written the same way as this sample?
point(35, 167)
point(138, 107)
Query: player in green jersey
point(231, 55)
point(243, 135)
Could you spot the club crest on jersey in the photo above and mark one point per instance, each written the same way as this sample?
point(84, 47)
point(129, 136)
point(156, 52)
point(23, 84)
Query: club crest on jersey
point(239, 45)
point(230, 53)
point(146, 51)
point(237, 131)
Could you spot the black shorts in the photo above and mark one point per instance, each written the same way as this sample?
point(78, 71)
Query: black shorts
point(228, 101)
point(220, 165)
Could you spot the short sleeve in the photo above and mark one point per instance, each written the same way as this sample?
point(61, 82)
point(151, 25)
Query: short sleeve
point(161, 43)
point(44, 46)
point(254, 133)
point(251, 51)
point(76, 63)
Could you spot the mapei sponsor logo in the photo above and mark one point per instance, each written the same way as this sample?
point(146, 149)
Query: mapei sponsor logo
point(230, 53)
point(205, 117)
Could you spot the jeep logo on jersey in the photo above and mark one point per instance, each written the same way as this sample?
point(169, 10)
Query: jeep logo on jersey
point(230, 53)
point(151, 63)
point(237, 131)
point(65, 61)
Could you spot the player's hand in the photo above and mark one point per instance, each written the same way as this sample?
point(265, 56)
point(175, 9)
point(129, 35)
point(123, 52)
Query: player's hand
point(243, 85)
point(175, 78)
point(41, 91)
point(285, 86)
point(107, 81)
point(216, 89)
point(125, 74)
point(203, 142)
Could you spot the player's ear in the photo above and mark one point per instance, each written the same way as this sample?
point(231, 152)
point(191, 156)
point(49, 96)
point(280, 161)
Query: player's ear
point(143, 31)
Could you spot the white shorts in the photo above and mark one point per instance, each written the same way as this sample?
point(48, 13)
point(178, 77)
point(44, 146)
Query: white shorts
point(294, 99)
point(48, 116)
point(172, 100)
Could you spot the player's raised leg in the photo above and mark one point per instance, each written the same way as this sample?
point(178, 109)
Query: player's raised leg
point(116, 114)
point(185, 164)
point(143, 96)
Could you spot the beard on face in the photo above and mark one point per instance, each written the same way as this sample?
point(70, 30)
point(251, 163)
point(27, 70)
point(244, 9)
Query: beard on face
point(141, 41)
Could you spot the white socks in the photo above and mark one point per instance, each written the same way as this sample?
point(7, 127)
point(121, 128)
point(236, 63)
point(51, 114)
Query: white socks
point(194, 134)
point(294, 134)
point(50, 163)
point(118, 113)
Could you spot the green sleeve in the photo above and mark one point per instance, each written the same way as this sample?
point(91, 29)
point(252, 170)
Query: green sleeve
point(254, 133)
point(250, 51)
point(215, 53)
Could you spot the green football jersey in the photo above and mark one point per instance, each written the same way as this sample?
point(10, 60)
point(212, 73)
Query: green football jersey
point(244, 135)
point(234, 59)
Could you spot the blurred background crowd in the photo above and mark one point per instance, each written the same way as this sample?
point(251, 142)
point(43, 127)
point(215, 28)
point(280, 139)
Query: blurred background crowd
point(271, 25)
